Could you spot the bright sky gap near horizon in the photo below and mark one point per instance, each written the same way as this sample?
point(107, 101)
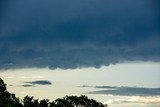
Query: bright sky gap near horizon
point(80, 45)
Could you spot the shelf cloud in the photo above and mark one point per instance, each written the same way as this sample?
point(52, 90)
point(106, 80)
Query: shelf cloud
point(72, 34)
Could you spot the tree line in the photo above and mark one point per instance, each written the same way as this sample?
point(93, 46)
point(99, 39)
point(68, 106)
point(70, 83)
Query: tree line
point(8, 99)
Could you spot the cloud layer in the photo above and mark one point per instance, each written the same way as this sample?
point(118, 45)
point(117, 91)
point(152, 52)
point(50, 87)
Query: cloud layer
point(38, 82)
point(127, 91)
point(70, 34)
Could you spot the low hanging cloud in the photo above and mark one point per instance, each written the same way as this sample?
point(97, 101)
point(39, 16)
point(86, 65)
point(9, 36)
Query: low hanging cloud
point(71, 34)
point(135, 100)
point(27, 85)
point(38, 82)
point(127, 91)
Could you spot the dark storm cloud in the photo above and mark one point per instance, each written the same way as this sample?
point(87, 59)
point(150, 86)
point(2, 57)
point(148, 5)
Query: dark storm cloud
point(70, 34)
point(27, 85)
point(127, 91)
point(39, 82)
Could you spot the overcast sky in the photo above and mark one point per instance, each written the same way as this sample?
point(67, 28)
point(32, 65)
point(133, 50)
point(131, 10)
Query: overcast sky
point(78, 33)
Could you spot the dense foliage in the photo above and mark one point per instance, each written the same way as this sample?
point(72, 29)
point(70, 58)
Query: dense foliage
point(9, 100)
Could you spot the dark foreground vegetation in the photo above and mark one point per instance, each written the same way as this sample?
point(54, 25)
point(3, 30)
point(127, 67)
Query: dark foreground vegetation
point(8, 99)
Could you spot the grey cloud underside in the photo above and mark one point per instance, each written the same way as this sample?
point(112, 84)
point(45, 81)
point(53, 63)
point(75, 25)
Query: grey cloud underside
point(70, 34)
point(127, 91)
point(27, 85)
point(38, 82)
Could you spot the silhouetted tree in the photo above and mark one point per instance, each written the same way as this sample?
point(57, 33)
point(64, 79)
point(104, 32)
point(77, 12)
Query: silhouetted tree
point(35, 103)
point(7, 99)
point(62, 103)
point(74, 101)
point(2, 87)
point(28, 101)
point(52, 104)
point(44, 103)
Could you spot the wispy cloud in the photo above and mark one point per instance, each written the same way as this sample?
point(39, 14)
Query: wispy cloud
point(32, 77)
point(9, 77)
point(37, 82)
point(25, 77)
point(127, 91)
point(28, 85)
point(134, 100)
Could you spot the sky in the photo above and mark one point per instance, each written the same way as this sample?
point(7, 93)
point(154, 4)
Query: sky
point(50, 43)
point(134, 84)
point(75, 34)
